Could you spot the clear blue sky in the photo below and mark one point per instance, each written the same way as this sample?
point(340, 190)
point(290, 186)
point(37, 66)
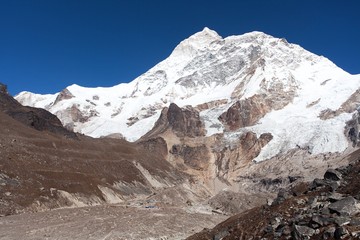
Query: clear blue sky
point(46, 45)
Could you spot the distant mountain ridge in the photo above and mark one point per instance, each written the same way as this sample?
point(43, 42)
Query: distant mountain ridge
point(252, 82)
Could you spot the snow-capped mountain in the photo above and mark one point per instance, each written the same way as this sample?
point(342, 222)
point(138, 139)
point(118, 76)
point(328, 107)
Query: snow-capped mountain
point(252, 82)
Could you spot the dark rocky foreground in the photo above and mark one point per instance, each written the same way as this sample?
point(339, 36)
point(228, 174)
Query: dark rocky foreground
point(327, 208)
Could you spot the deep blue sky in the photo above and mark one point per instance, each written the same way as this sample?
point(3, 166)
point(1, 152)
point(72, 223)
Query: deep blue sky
point(46, 45)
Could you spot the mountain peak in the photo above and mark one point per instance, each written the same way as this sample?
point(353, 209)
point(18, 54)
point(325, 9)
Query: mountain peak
point(199, 41)
point(207, 33)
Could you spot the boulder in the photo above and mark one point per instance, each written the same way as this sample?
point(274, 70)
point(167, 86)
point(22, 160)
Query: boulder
point(302, 232)
point(345, 207)
point(341, 233)
point(332, 174)
point(319, 221)
point(329, 233)
point(317, 183)
point(335, 197)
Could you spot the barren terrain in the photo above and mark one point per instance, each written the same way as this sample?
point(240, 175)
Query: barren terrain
point(107, 222)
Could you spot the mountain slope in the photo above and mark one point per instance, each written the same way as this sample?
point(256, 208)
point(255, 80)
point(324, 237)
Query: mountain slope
point(252, 82)
point(50, 167)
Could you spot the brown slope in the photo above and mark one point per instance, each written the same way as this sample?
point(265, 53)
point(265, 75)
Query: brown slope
point(35, 165)
point(37, 118)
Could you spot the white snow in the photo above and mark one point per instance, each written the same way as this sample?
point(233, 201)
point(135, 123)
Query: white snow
point(206, 67)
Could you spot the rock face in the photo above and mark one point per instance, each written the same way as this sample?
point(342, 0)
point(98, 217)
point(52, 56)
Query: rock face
point(63, 95)
point(352, 129)
point(3, 88)
point(248, 112)
point(244, 113)
point(185, 122)
point(194, 157)
point(232, 159)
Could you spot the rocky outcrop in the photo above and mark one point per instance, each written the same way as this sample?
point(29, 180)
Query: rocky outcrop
point(3, 88)
point(36, 118)
point(249, 111)
point(244, 113)
point(73, 115)
point(63, 95)
point(352, 128)
point(184, 122)
point(41, 120)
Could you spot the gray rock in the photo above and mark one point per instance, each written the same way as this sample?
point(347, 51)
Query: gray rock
point(221, 235)
point(355, 234)
point(319, 221)
point(345, 169)
point(294, 178)
point(281, 197)
point(345, 207)
point(325, 211)
point(332, 174)
point(334, 185)
point(275, 222)
point(329, 233)
point(302, 232)
point(281, 230)
point(312, 201)
point(317, 183)
point(335, 197)
point(355, 222)
point(342, 221)
point(268, 229)
point(341, 233)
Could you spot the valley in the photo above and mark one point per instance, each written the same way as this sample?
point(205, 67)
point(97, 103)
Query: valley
point(221, 127)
